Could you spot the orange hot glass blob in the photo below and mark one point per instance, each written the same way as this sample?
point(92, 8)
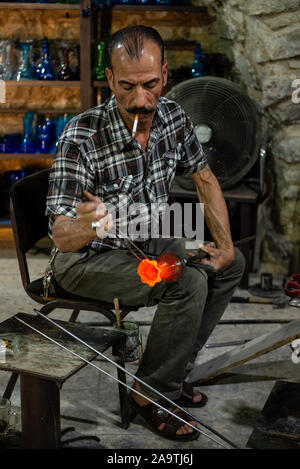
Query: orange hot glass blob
point(168, 266)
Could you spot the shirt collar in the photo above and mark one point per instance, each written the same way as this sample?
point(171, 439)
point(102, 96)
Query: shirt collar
point(120, 134)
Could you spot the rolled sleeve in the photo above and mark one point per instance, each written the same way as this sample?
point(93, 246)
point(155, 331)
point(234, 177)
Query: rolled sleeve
point(69, 175)
point(193, 158)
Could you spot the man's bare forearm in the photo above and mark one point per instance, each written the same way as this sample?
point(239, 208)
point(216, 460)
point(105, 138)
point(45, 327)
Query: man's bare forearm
point(215, 209)
point(69, 235)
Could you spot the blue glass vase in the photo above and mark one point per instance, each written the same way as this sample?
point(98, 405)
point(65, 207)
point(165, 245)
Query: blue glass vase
point(28, 144)
point(197, 68)
point(24, 70)
point(44, 137)
point(44, 70)
point(60, 123)
point(11, 143)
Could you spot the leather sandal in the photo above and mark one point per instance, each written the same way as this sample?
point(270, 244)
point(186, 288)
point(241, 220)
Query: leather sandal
point(187, 395)
point(155, 416)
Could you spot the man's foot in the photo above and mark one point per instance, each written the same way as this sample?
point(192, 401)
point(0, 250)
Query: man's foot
point(191, 398)
point(141, 402)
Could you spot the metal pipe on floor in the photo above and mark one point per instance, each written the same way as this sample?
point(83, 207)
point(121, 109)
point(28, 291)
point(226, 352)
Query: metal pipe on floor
point(126, 385)
point(233, 445)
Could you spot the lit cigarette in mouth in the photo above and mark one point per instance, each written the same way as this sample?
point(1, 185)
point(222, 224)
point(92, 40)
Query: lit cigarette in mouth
point(135, 123)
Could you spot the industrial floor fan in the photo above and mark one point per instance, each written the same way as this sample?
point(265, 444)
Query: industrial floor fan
point(227, 123)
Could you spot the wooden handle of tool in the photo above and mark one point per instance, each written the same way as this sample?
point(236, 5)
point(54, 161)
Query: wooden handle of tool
point(118, 313)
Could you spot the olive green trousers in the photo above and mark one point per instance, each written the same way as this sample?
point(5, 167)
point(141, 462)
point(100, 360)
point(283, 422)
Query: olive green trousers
point(187, 310)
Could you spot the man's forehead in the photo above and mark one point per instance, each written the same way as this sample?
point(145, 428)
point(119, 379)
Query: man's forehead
point(148, 51)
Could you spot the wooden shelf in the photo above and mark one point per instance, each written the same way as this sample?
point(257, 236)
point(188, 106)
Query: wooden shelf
point(24, 156)
point(189, 8)
point(100, 84)
point(38, 111)
point(42, 83)
point(5, 222)
point(40, 6)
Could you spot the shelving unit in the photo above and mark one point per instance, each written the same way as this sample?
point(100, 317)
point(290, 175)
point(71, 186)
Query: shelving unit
point(40, 6)
point(51, 83)
point(95, 22)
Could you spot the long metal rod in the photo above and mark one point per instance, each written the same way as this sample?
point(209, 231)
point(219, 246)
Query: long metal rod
point(121, 382)
point(136, 378)
point(128, 248)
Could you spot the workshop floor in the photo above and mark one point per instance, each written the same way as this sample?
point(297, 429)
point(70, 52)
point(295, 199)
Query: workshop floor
point(89, 400)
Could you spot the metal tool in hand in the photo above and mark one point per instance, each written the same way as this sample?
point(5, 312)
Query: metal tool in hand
point(233, 445)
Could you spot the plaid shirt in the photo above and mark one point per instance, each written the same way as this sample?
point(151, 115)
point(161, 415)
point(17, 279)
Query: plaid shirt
point(96, 152)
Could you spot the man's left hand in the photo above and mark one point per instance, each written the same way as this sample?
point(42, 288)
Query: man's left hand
point(218, 258)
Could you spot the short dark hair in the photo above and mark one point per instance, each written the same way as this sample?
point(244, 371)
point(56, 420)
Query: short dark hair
point(132, 38)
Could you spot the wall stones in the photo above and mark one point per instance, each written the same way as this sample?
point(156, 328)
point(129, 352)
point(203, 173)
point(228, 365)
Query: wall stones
point(263, 38)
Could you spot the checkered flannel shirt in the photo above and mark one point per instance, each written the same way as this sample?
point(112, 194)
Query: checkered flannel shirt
point(96, 152)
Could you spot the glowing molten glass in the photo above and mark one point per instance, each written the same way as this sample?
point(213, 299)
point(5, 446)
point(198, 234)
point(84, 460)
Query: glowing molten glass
point(168, 266)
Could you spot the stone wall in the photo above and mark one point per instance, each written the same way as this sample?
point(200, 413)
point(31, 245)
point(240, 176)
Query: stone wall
point(263, 40)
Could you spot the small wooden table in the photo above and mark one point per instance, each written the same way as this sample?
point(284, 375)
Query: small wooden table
point(43, 368)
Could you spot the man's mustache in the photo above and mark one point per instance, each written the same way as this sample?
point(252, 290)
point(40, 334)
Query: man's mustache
point(140, 110)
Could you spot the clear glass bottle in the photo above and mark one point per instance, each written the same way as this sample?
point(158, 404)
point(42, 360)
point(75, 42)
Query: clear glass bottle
point(6, 66)
point(24, 70)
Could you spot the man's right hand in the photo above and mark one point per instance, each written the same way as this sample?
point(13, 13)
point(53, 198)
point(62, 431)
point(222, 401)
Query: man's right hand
point(93, 210)
point(71, 234)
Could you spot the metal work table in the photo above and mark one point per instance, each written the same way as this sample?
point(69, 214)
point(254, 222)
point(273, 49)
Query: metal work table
point(43, 368)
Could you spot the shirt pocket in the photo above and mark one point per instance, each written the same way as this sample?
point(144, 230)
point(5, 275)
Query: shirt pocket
point(119, 191)
point(170, 159)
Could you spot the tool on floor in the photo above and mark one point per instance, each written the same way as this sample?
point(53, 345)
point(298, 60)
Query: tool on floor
point(130, 342)
point(278, 302)
point(193, 418)
point(118, 313)
point(265, 288)
point(255, 321)
point(227, 344)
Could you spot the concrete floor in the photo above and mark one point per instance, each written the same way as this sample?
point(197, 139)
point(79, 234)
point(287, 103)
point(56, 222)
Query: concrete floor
point(89, 400)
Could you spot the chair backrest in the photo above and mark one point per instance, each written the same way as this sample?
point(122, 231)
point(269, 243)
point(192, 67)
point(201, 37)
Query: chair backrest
point(27, 211)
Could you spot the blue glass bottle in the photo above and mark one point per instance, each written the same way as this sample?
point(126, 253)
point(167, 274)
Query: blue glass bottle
point(197, 68)
point(44, 70)
point(28, 144)
point(60, 123)
point(44, 133)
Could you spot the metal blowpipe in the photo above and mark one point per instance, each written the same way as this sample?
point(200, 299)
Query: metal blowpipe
point(127, 386)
